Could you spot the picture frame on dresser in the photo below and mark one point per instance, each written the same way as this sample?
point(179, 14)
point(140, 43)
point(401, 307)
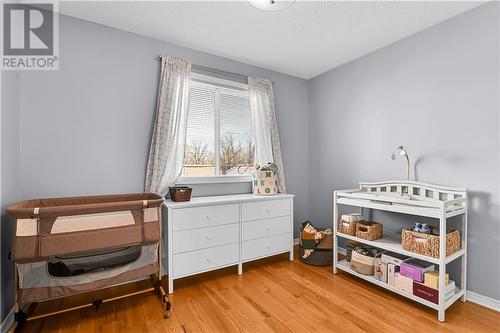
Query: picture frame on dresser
point(209, 233)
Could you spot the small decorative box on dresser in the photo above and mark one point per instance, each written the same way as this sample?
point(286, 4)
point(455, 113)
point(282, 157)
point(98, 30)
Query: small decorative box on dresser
point(209, 233)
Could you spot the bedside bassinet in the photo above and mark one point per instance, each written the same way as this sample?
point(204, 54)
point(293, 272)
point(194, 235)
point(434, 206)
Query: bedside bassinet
point(67, 246)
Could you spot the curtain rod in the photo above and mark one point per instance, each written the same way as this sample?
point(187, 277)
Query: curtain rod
point(214, 71)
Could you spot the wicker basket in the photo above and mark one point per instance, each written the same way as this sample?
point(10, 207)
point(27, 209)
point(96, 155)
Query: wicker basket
point(428, 245)
point(348, 228)
point(180, 193)
point(369, 230)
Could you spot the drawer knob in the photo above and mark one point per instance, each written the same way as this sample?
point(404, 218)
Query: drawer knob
point(268, 211)
point(268, 228)
point(208, 259)
point(208, 237)
point(208, 217)
point(268, 246)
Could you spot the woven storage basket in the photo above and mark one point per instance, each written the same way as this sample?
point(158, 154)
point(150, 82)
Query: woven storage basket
point(180, 193)
point(428, 245)
point(369, 230)
point(348, 228)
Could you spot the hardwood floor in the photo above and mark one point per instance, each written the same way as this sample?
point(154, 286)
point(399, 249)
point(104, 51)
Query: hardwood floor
point(272, 295)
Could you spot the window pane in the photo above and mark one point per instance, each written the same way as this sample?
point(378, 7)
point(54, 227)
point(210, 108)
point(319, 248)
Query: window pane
point(236, 147)
point(199, 153)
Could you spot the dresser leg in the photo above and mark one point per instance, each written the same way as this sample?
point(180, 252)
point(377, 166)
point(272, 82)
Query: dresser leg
point(240, 269)
point(291, 254)
point(170, 285)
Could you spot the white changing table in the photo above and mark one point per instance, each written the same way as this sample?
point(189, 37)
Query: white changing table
point(416, 199)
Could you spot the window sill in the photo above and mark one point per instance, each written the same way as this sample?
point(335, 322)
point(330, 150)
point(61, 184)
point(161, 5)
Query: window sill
point(213, 180)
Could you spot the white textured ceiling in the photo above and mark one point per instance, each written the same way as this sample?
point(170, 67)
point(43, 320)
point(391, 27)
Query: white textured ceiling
point(303, 40)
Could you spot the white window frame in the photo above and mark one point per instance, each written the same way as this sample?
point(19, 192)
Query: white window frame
point(201, 79)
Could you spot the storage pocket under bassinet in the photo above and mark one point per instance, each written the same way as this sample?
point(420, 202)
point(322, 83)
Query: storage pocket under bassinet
point(90, 262)
point(36, 283)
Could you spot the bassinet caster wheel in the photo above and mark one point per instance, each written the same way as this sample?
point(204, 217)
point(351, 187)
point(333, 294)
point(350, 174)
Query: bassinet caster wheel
point(97, 304)
point(20, 316)
point(167, 312)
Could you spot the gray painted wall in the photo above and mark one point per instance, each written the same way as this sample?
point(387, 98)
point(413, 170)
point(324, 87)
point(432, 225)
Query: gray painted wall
point(86, 128)
point(436, 92)
point(10, 189)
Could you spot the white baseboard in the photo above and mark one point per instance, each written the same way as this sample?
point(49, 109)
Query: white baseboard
point(485, 301)
point(8, 321)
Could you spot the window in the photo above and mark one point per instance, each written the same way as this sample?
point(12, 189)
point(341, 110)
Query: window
point(218, 138)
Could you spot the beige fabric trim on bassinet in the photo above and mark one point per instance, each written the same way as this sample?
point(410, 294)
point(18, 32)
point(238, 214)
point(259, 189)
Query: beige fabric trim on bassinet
point(151, 215)
point(26, 227)
point(92, 221)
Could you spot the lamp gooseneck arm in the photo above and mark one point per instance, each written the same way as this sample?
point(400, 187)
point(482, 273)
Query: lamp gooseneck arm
point(407, 167)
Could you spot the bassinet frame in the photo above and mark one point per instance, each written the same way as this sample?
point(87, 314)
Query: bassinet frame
point(22, 311)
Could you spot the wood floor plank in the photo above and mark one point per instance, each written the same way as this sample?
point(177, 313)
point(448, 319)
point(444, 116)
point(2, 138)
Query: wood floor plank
point(273, 295)
point(276, 326)
point(249, 316)
point(295, 326)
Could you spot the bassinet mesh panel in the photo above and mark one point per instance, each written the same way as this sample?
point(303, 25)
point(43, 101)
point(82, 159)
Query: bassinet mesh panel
point(72, 265)
point(37, 284)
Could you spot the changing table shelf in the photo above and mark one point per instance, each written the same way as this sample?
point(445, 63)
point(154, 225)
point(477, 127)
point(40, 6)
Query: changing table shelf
point(393, 244)
point(344, 266)
point(412, 198)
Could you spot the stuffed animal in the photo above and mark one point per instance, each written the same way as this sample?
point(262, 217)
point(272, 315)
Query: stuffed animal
point(310, 238)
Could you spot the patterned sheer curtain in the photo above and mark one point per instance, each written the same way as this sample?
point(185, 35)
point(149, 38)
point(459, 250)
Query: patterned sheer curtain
point(166, 152)
point(264, 126)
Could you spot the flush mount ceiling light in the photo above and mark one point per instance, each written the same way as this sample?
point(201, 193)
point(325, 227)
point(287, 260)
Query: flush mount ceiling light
point(271, 5)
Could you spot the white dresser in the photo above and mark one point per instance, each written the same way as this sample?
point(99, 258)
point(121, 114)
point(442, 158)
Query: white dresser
point(208, 233)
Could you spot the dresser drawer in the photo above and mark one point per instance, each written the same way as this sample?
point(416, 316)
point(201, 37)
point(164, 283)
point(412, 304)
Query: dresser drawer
point(266, 246)
point(190, 240)
point(208, 216)
point(201, 260)
point(265, 228)
point(265, 209)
